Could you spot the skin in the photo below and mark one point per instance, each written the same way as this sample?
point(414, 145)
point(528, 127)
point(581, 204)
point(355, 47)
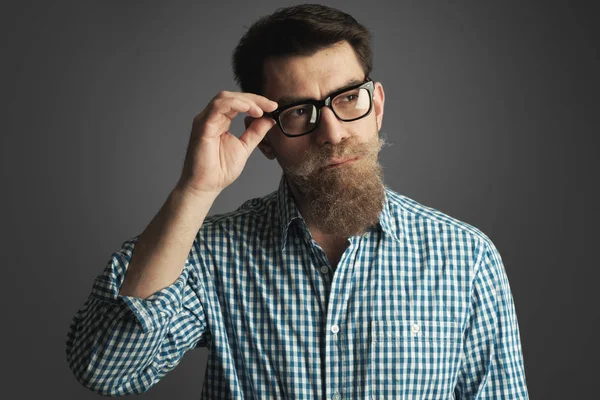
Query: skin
point(316, 76)
point(215, 158)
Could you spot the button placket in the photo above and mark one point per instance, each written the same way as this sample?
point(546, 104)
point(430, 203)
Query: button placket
point(335, 338)
point(415, 329)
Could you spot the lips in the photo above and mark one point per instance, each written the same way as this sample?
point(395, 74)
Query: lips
point(337, 162)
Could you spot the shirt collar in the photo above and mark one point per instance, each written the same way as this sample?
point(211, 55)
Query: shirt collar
point(289, 213)
point(389, 221)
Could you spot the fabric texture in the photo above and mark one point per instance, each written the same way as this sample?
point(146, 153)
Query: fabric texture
point(419, 307)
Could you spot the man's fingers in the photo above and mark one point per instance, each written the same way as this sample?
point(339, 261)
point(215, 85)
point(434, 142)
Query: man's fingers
point(217, 116)
point(258, 104)
point(231, 106)
point(222, 111)
point(261, 102)
point(256, 132)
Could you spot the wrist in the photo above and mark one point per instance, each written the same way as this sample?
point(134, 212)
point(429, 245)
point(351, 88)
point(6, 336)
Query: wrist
point(189, 194)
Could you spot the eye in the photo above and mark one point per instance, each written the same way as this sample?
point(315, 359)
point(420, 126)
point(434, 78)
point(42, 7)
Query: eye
point(346, 98)
point(299, 112)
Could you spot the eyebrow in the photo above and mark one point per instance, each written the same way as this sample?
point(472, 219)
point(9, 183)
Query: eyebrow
point(286, 100)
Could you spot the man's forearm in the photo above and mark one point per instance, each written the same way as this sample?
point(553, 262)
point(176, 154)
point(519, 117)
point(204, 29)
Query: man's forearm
point(163, 247)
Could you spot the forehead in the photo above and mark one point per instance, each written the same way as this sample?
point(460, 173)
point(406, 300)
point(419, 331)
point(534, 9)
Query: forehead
point(313, 76)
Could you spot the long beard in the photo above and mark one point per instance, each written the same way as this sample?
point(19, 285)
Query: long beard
point(345, 200)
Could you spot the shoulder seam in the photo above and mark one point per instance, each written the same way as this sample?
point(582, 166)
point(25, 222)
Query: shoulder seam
point(420, 210)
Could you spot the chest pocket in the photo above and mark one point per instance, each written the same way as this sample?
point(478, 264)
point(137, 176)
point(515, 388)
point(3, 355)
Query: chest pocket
point(414, 359)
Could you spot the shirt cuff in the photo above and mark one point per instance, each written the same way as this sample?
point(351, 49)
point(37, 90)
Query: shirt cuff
point(150, 313)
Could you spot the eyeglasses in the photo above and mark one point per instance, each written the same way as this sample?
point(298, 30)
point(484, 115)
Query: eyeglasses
point(348, 104)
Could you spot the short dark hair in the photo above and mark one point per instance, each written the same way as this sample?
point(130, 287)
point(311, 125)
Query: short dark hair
point(298, 30)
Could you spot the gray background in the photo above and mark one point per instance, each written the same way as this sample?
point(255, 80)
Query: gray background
point(491, 108)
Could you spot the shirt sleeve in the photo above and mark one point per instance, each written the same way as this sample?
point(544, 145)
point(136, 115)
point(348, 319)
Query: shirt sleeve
point(492, 364)
point(119, 345)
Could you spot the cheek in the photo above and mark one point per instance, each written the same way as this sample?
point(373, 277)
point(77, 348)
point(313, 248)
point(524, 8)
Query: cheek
point(290, 158)
point(291, 152)
point(366, 129)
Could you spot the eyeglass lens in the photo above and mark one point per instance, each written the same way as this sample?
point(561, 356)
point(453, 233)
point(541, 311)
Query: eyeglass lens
point(349, 105)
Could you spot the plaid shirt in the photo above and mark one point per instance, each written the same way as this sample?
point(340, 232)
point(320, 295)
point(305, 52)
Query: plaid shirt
point(419, 307)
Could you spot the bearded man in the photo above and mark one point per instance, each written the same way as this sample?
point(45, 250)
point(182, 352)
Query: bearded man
point(334, 286)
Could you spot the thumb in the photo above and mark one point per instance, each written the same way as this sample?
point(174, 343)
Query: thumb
point(255, 132)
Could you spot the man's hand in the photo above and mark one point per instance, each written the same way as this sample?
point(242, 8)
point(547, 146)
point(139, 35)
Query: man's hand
point(215, 157)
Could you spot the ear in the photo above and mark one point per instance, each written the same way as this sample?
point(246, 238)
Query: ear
point(264, 145)
point(378, 102)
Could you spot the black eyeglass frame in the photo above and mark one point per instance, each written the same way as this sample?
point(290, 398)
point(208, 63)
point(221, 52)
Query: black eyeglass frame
point(326, 102)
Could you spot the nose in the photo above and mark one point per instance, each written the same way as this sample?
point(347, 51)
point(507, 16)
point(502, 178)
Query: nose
point(330, 129)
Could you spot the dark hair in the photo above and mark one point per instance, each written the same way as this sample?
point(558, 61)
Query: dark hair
point(299, 30)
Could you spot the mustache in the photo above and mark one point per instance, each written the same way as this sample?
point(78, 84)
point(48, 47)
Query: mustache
point(317, 158)
point(339, 151)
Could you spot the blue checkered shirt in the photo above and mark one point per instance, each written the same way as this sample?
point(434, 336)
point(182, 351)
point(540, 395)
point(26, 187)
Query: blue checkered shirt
point(419, 307)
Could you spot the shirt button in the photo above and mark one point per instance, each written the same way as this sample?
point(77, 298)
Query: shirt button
point(297, 240)
point(414, 328)
point(336, 396)
point(335, 328)
point(324, 269)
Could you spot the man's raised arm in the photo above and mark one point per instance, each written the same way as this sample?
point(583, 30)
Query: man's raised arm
point(145, 310)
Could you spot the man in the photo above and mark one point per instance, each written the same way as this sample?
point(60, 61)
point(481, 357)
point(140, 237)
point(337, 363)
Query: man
point(334, 286)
